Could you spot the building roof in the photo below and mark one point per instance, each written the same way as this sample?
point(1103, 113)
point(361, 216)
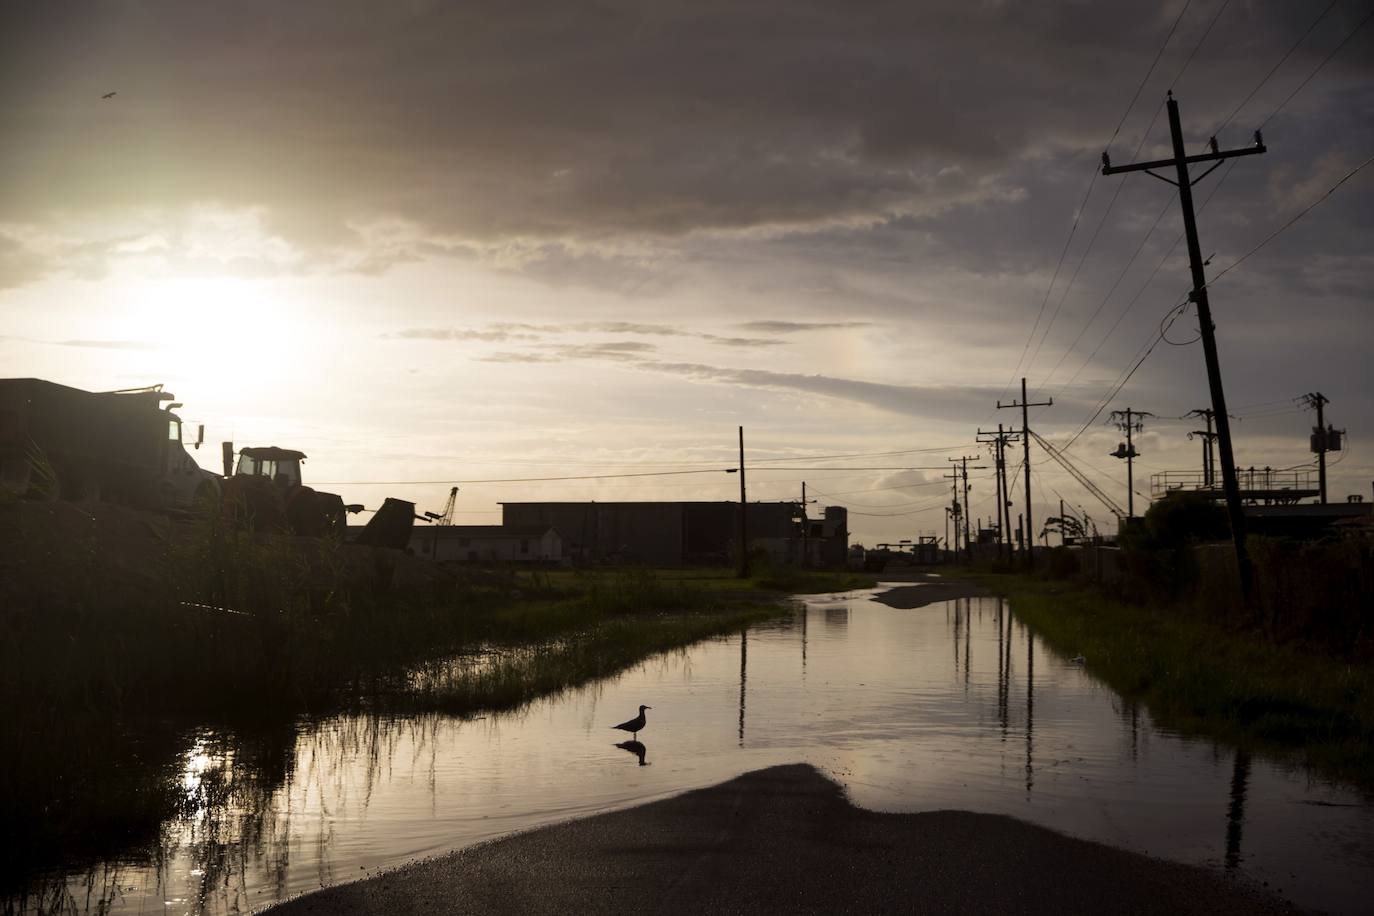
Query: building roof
point(652, 502)
point(485, 531)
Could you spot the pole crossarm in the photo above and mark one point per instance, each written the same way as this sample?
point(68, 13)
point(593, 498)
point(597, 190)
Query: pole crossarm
point(1215, 156)
point(1167, 164)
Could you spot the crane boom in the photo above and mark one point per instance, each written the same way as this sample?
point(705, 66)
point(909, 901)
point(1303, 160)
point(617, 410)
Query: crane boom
point(447, 517)
point(1079, 476)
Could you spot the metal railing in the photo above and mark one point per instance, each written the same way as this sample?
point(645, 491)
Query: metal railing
point(1254, 480)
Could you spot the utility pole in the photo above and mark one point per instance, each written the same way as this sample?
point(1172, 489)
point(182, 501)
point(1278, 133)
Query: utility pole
point(999, 442)
point(962, 471)
point(743, 515)
point(946, 528)
point(1184, 183)
point(806, 528)
point(1209, 476)
point(1319, 441)
point(954, 509)
point(1025, 405)
point(1128, 421)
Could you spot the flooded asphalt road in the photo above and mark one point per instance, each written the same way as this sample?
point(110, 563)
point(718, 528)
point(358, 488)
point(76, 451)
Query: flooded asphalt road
point(785, 840)
point(950, 705)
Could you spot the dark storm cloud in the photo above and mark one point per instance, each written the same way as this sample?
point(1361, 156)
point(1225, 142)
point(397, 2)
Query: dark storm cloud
point(484, 123)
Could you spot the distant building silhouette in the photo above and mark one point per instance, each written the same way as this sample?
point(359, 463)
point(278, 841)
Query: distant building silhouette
point(685, 533)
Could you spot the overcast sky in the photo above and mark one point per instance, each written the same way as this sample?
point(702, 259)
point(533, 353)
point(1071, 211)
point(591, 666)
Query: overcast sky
point(430, 241)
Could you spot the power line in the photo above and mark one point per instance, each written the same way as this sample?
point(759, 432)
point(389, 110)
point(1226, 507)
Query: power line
point(1226, 174)
point(1146, 285)
point(1274, 69)
point(836, 496)
point(1170, 317)
point(451, 480)
point(1334, 51)
point(1299, 215)
point(1145, 79)
point(1078, 214)
point(455, 480)
point(555, 461)
point(1178, 76)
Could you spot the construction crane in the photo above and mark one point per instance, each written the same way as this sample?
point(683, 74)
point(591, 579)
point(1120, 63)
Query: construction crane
point(1079, 476)
point(445, 517)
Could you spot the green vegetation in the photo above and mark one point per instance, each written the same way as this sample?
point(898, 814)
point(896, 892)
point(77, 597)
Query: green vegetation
point(1200, 669)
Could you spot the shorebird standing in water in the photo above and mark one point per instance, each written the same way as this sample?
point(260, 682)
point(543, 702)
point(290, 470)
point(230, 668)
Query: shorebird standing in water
point(634, 725)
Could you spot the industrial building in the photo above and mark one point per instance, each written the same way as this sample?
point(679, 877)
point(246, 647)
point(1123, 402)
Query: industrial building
point(686, 533)
point(488, 543)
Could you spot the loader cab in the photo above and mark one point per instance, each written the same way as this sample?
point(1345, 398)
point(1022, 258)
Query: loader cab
point(280, 465)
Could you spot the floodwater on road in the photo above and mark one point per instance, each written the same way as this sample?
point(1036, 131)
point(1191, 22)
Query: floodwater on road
point(953, 705)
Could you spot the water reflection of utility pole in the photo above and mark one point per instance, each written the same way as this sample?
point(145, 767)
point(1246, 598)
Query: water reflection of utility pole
point(743, 676)
point(1235, 812)
point(1003, 665)
point(967, 621)
point(955, 642)
point(806, 612)
point(1030, 707)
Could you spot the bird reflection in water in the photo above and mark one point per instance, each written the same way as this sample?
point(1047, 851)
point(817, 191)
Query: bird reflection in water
point(637, 748)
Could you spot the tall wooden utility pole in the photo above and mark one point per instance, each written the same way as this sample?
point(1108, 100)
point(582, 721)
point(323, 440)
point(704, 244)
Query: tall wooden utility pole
point(743, 515)
point(1184, 183)
point(1029, 543)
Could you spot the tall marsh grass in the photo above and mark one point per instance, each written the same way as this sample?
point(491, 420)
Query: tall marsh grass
point(202, 622)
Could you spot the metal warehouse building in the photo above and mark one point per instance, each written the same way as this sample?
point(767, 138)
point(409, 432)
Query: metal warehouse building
point(684, 533)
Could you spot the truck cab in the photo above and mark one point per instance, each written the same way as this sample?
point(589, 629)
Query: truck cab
point(282, 466)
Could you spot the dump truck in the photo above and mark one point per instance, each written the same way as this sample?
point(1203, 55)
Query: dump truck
point(59, 442)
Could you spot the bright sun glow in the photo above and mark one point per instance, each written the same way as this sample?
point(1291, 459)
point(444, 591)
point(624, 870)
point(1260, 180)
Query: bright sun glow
point(222, 338)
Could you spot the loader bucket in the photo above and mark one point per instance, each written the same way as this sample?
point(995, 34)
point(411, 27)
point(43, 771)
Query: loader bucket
point(390, 526)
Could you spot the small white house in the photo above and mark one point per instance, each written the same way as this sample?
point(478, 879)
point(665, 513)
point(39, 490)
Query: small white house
point(488, 543)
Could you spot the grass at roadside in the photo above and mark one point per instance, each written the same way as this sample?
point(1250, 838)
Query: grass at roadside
point(1203, 678)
